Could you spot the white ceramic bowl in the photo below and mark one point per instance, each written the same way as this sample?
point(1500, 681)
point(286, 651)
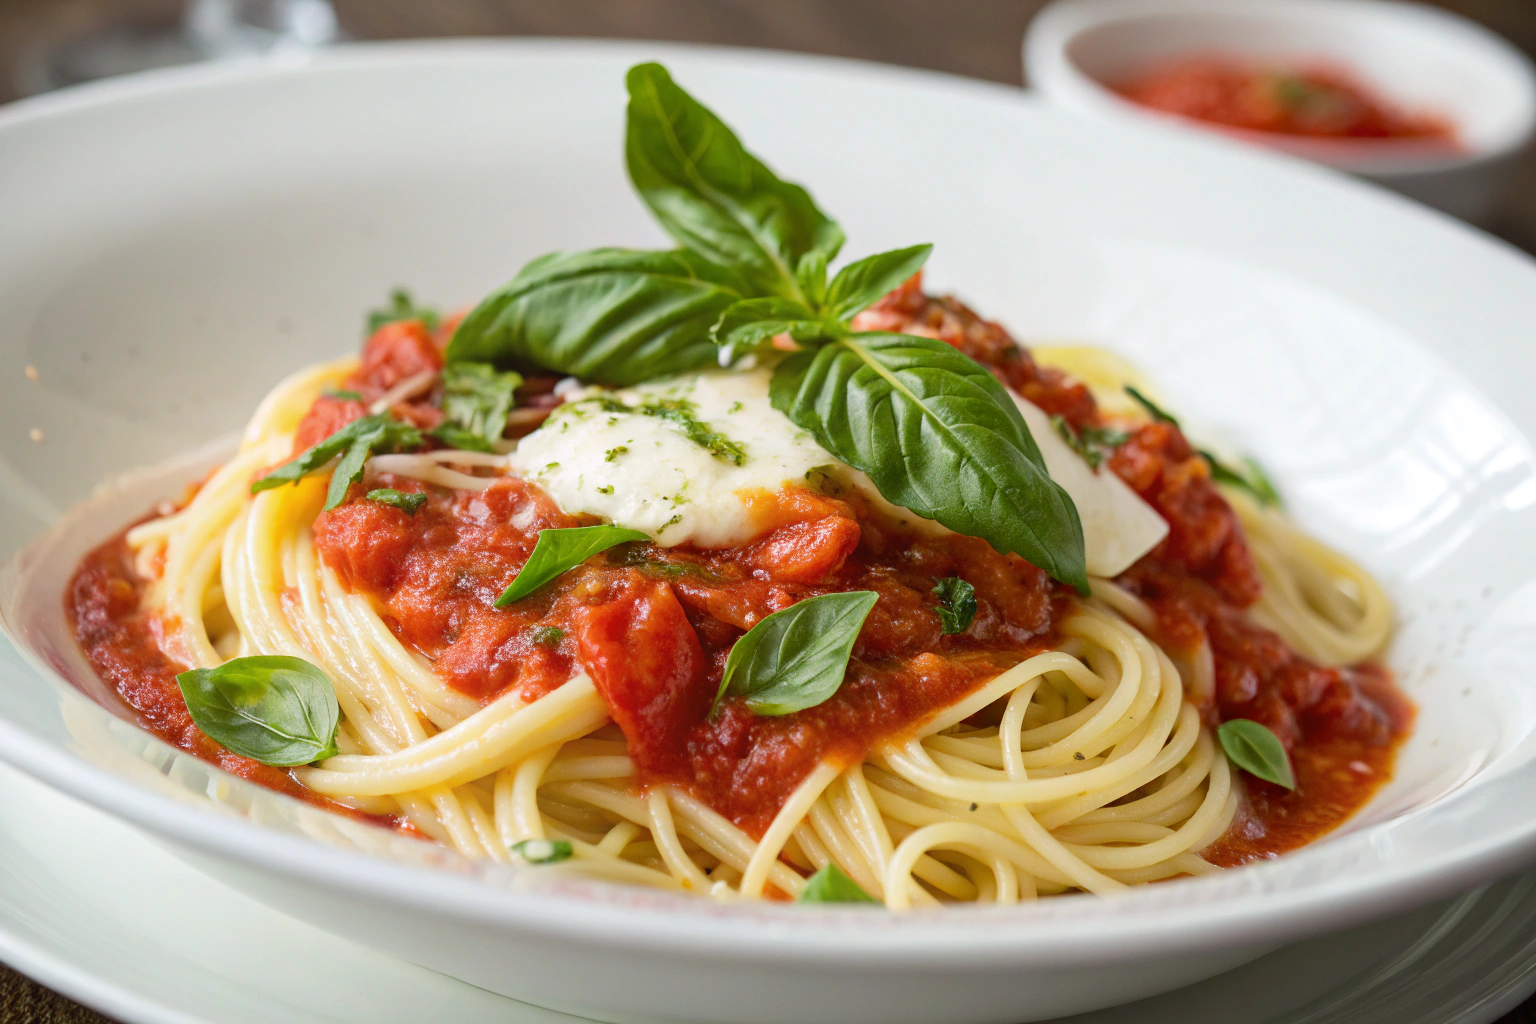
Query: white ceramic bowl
point(1417, 56)
point(171, 246)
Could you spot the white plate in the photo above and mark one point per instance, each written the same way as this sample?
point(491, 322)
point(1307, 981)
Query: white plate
point(100, 912)
point(170, 247)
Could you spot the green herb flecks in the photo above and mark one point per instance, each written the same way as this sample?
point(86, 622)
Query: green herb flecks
point(406, 501)
point(1091, 443)
point(546, 636)
point(957, 604)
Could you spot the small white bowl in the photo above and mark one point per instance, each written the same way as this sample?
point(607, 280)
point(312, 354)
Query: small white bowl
point(1418, 57)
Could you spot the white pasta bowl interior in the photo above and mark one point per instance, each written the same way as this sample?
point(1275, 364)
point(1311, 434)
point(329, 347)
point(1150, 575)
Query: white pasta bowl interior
point(176, 245)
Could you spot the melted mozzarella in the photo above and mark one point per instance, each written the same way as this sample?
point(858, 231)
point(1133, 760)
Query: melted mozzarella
point(602, 454)
point(643, 471)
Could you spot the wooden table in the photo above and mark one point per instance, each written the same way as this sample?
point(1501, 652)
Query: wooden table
point(968, 37)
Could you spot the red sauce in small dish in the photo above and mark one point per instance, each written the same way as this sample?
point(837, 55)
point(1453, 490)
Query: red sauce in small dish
point(1316, 101)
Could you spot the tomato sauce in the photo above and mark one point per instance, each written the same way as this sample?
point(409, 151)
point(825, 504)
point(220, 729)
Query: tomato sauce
point(1318, 102)
point(653, 626)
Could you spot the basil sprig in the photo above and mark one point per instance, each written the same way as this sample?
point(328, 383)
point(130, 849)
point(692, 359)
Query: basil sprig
point(797, 657)
point(938, 435)
point(1257, 751)
point(402, 307)
point(832, 885)
point(276, 710)
point(477, 398)
point(957, 604)
point(934, 429)
point(1250, 476)
point(559, 550)
point(353, 443)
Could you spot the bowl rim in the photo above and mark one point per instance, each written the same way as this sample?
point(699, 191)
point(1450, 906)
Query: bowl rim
point(1049, 67)
point(1128, 927)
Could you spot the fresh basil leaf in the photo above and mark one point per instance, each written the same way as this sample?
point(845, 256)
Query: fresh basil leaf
point(353, 442)
point(713, 196)
point(406, 501)
point(1257, 751)
point(832, 885)
point(276, 710)
point(957, 604)
point(811, 276)
point(559, 550)
point(543, 851)
point(610, 316)
point(457, 437)
point(477, 398)
point(938, 435)
point(867, 281)
point(753, 321)
point(1152, 408)
point(402, 307)
point(796, 658)
point(1251, 478)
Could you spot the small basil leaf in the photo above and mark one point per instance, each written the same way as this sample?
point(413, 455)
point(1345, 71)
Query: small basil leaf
point(1251, 478)
point(609, 316)
point(406, 501)
point(543, 851)
point(350, 469)
point(866, 281)
point(1152, 408)
point(276, 710)
point(457, 437)
point(559, 550)
point(957, 604)
point(811, 276)
point(832, 885)
point(713, 196)
point(796, 658)
point(752, 321)
point(477, 398)
point(1257, 751)
point(402, 307)
point(938, 435)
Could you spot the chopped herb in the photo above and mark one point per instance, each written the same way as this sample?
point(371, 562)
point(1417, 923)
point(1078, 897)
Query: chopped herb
point(1151, 407)
point(669, 523)
point(683, 414)
point(615, 452)
point(458, 437)
point(1092, 443)
point(546, 636)
point(402, 307)
point(344, 395)
point(1251, 478)
point(406, 501)
point(543, 851)
point(550, 465)
point(477, 398)
point(605, 489)
point(735, 407)
point(957, 604)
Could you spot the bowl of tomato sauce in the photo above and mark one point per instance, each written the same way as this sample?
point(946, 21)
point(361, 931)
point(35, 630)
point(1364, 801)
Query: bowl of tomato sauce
point(1409, 96)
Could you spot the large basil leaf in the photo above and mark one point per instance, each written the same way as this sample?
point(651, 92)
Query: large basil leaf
point(559, 550)
point(276, 710)
point(938, 435)
point(866, 281)
point(797, 657)
point(1257, 751)
point(477, 398)
point(713, 196)
point(832, 885)
point(611, 316)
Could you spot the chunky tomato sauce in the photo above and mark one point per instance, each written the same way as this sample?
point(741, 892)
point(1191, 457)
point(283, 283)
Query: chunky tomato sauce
point(1319, 102)
point(653, 626)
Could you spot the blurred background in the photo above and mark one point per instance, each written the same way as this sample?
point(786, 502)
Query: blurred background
point(47, 43)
